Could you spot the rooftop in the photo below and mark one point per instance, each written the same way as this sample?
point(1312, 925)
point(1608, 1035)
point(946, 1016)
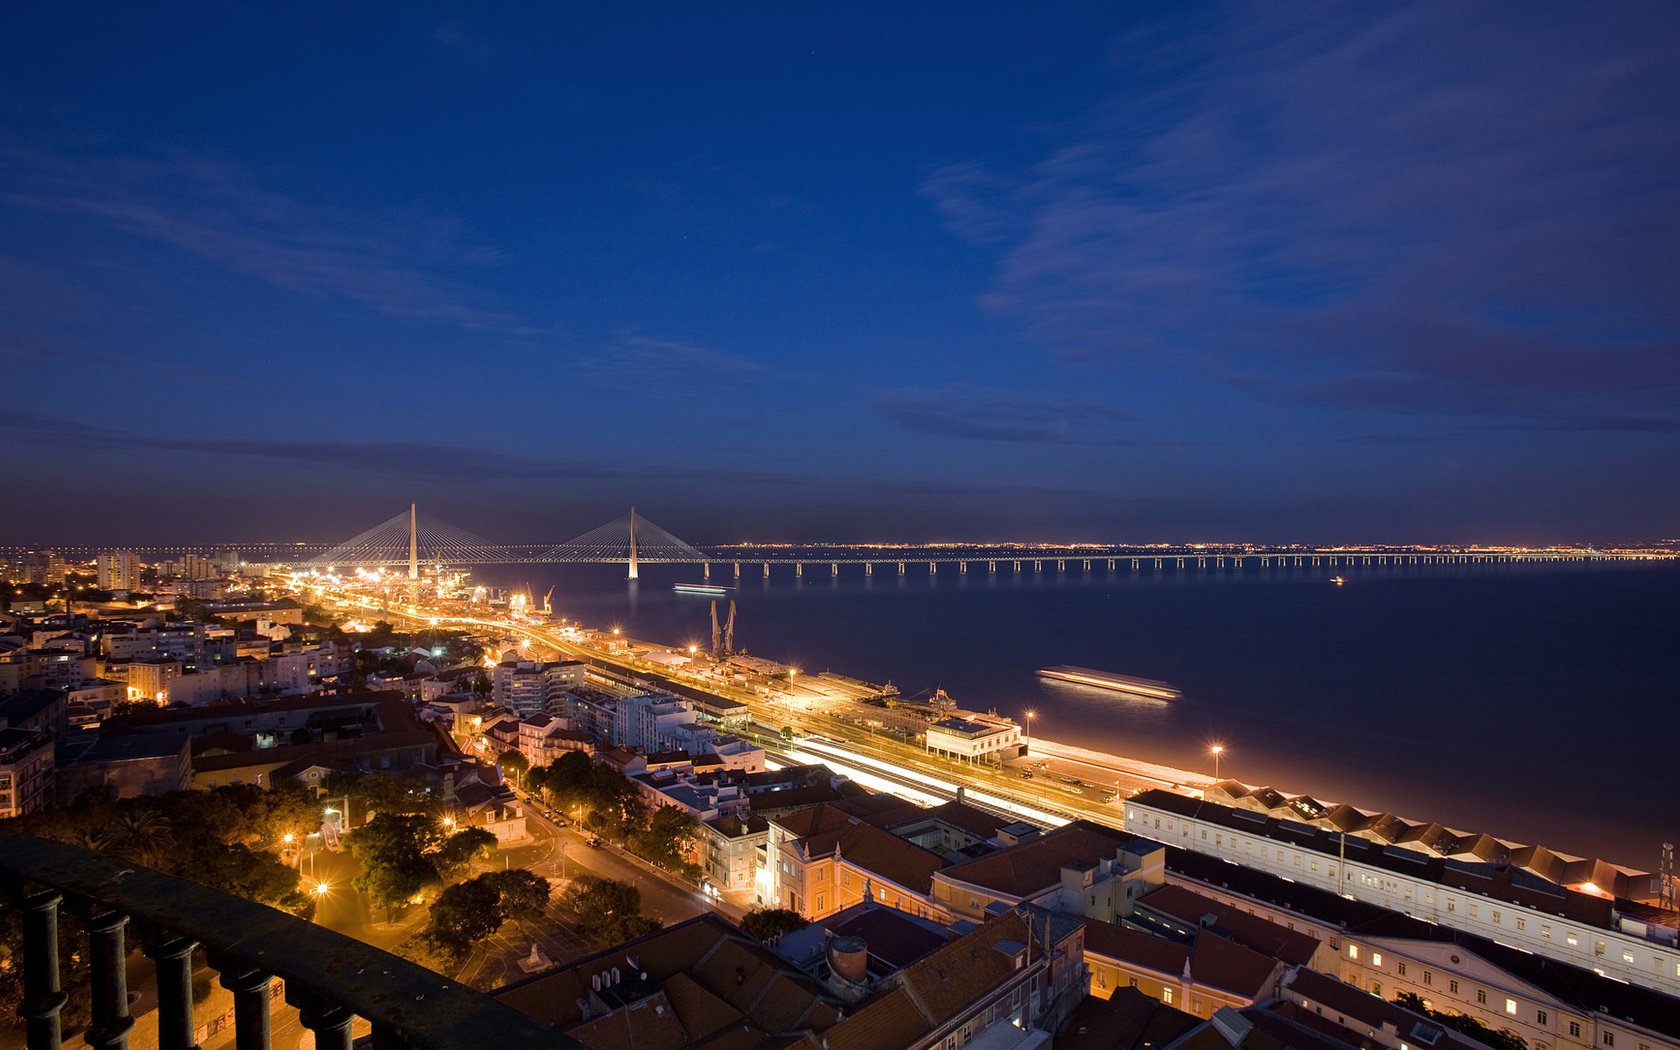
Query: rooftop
point(1030, 867)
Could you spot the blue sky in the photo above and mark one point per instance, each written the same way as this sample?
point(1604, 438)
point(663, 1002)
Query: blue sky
point(1342, 272)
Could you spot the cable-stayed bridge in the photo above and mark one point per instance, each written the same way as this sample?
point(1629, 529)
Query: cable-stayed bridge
point(412, 539)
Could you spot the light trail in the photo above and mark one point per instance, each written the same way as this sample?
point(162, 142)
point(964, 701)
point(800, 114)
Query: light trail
point(1008, 805)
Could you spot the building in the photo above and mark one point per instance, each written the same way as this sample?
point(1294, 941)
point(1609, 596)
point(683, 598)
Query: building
point(731, 854)
point(1551, 1005)
point(1499, 900)
point(1207, 974)
point(215, 685)
point(26, 771)
point(1080, 868)
point(118, 571)
point(534, 687)
point(121, 765)
point(830, 857)
point(544, 738)
point(705, 983)
point(975, 737)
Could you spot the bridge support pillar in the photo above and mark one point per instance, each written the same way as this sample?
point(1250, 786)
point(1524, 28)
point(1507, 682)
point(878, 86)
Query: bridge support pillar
point(1111, 565)
point(705, 570)
point(1038, 566)
point(1134, 565)
point(1017, 568)
point(1157, 564)
point(962, 568)
point(901, 568)
point(991, 567)
point(834, 568)
point(767, 570)
point(869, 568)
point(1061, 565)
point(799, 568)
point(1087, 564)
point(933, 568)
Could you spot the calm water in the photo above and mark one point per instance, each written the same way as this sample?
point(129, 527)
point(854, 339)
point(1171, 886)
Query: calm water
point(1538, 704)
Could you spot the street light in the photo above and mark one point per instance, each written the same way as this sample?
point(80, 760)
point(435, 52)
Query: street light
point(1216, 750)
point(1031, 714)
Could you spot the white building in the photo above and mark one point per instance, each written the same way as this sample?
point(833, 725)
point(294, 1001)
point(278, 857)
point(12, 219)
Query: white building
point(1501, 902)
point(533, 687)
point(975, 737)
point(118, 570)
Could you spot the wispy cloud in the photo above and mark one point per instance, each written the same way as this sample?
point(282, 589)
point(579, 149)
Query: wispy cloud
point(1421, 209)
point(958, 412)
point(417, 459)
point(404, 266)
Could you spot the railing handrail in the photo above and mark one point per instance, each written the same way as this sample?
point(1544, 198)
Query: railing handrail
point(425, 1008)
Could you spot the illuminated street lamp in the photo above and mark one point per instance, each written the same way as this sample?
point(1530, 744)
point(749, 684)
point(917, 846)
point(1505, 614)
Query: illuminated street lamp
point(321, 889)
point(1031, 714)
point(1216, 750)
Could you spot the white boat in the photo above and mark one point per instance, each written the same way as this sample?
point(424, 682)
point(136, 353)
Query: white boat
point(708, 590)
point(1141, 688)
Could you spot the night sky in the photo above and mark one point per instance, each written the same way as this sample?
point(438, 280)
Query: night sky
point(1274, 272)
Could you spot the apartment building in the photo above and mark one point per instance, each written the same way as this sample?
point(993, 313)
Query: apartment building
point(1499, 900)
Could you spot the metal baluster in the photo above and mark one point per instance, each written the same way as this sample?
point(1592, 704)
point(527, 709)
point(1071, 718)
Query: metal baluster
point(42, 996)
point(173, 961)
point(111, 1020)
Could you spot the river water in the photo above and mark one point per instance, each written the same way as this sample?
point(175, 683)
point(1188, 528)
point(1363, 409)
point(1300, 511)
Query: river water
point(1537, 703)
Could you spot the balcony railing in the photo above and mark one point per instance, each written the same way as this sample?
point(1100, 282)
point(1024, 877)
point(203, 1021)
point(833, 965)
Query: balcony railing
point(330, 978)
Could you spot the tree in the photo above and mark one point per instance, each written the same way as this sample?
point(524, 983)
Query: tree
point(393, 850)
point(1499, 1039)
point(666, 839)
point(470, 911)
point(524, 894)
point(513, 765)
point(764, 923)
point(462, 848)
point(608, 912)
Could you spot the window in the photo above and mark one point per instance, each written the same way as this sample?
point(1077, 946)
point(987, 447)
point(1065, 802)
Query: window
point(1575, 1029)
point(1131, 982)
point(1510, 1007)
point(1472, 909)
point(1608, 1039)
point(1481, 996)
point(1496, 914)
point(1540, 1017)
point(1546, 930)
point(1376, 958)
point(1452, 986)
point(1166, 996)
point(1402, 967)
point(1598, 947)
point(1627, 955)
point(1522, 924)
point(821, 902)
point(1571, 940)
point(1102, 979)
point(1353, 951)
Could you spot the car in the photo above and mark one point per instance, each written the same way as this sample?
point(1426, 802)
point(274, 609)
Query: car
point(594, 842)
point(1026, 774)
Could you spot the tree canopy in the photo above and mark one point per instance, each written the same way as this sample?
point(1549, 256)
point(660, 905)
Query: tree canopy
point(607, 912)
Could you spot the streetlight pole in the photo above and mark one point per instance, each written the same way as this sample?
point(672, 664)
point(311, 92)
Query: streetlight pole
point(1216, 750)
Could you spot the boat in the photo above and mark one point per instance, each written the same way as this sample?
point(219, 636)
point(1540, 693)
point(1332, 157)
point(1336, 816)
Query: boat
point(1337, 580)
point(1138, 688)
point(708, 590)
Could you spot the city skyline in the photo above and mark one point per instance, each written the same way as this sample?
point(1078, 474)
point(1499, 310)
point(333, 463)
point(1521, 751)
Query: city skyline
point(1320, 275)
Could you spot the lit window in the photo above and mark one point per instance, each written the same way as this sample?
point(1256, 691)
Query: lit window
point(1627, 955)
point(1571, 940)
point(1511, 1007)
point(1166, 996)
point(1353, 951)
point(1376, 958)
